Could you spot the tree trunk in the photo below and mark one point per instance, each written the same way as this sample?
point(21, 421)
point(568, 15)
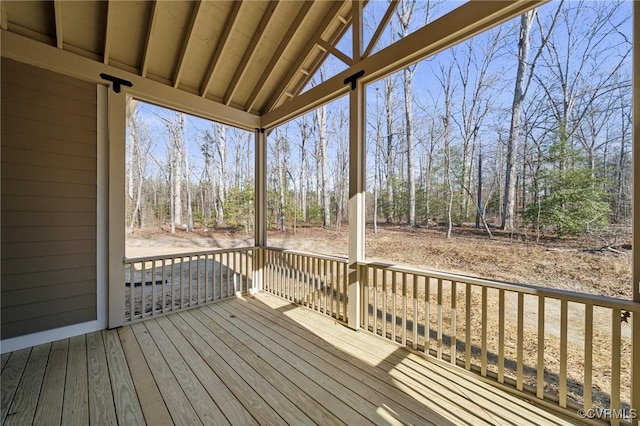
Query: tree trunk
point(408, 111)
point(508, 214)
point(321, 119)
point(221, 145)
point(388, 97)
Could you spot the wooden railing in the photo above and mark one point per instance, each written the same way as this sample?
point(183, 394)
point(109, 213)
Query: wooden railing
point(160, 284)
point(316, 281)
point(564, 349)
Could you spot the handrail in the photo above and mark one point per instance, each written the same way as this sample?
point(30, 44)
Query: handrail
point(185, 254)
point(594, 299)
point(308, 254)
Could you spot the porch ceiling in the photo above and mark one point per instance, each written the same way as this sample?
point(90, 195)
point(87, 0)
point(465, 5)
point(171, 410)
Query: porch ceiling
point(244, 54)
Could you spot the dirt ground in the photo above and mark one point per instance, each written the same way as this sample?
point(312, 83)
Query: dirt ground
point(572, 264)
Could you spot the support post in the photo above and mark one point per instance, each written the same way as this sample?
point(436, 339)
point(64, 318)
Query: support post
point(260, 204)
point(117, 133)
point(357, 188)
point(635, 366)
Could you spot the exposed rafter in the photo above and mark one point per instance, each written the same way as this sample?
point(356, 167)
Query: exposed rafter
point(187, 42)
point(222, 45)
point(383, 24)
point(333, 14)
point(147, 45)
point(462, 23)
point(57, 10)
point(335, 52)
point(293, 28)
point(107, 33)
point(251, 49)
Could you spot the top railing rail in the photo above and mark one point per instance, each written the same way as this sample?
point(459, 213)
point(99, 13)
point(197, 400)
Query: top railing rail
point(186, 254)
point(572, 296)
point(308, 254)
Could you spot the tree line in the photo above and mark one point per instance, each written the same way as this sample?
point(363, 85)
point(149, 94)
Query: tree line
point(524, 127)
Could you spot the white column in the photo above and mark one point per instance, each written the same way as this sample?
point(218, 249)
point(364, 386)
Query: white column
point(117, 134)
point(635, 366)
point(260, 205)
point(357, 188)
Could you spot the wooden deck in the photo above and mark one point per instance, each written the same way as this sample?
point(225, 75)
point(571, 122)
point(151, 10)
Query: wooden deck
point(247, 361)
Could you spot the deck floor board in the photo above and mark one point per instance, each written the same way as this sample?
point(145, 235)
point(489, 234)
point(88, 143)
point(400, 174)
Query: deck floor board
point(25, 401)
point(75, 405)
point(49, 410)
point(246, 361)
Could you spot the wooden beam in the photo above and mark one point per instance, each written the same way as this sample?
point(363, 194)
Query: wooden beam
point(107, 33)
point(356, 29)
point(222, 45)
point(460, 24)
point(150, 31)
point(383, 24)
point(29, 51)
point(284, 43)
point(57, 11)
point(335, 52)
point(297, 66)
point(250, 51)
point(195, 12)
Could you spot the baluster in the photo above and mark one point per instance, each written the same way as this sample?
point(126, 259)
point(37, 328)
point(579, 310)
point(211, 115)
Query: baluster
point(394, 292)
point(540, 365)
point(483, 366)
point(616, 314)
point(415, 312)
point(164, 281)
point(520, 343)
point(384, 303)
point(440, 313)
point(404, 309)
point(454, 339)
point(562, 396)
point(467, 327)
point(588, 356)
point(153, 287)
point(375, 300)
point(427, 314)
point(501, 335)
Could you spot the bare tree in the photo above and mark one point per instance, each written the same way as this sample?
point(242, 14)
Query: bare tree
point(321, 126)
point(305, 135)
point(448, 91)
point(389, 86)
point(140, 143)
point(174, 125)
point(404, 12)
point(524, 75)
point(478, 89)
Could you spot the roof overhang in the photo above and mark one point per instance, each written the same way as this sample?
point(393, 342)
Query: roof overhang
point(240, 63)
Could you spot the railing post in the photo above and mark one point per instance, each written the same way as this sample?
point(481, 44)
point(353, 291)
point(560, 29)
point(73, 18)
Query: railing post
point(260, 197)
point(357, 188)
point(635, 366)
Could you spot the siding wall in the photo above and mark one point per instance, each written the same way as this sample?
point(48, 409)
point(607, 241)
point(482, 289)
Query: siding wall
point(49, 174)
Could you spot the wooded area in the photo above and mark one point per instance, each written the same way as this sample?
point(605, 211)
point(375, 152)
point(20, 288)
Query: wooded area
point(527, 126)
